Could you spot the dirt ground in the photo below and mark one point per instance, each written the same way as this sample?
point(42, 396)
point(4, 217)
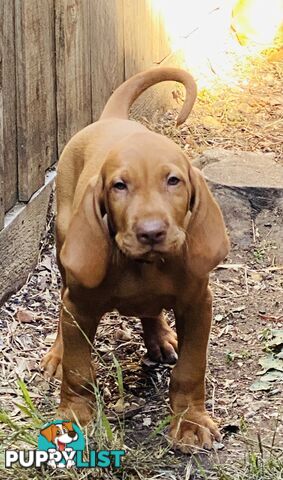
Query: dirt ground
point(247, 309)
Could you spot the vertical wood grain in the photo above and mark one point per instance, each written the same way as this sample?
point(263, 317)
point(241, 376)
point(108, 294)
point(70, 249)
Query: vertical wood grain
point(35, 83)
point(8, 103)
point(73, 45)
point(107, 50)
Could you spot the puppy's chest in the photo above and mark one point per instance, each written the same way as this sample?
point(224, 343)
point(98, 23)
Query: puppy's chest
point(144, 296)
point(145, 286)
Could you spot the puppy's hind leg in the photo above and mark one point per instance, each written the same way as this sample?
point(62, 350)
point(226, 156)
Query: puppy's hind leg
point(159, 338)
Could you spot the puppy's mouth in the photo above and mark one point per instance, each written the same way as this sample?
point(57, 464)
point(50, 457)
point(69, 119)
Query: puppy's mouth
point(149, 253)
point(151, 256)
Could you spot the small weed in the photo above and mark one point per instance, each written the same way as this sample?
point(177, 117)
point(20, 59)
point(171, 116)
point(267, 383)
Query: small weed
point(245, 354)
point(251, 467)
point(119, 375)
point(259, 254)
point(230, 357)
point(265, 335)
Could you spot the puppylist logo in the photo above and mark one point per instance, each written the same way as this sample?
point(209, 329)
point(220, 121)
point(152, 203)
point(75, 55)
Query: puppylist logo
point(61, 444)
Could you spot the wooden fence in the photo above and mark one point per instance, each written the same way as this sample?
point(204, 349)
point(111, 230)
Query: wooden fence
point(59, 62)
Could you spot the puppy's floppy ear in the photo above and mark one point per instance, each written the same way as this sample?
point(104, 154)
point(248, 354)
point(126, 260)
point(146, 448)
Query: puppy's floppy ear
point(85, 252)
point(207, 240)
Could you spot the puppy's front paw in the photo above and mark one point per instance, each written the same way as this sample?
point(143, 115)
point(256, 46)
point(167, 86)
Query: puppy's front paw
point(51, 364)
point(194, 430)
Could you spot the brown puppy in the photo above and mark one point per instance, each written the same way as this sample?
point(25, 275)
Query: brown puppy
point(139, 231)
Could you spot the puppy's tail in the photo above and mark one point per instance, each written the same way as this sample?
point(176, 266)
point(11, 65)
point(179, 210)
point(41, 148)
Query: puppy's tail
point(121, 100)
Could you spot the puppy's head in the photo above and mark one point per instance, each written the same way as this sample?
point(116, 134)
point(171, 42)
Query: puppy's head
point(146, 193)
point(157, 205)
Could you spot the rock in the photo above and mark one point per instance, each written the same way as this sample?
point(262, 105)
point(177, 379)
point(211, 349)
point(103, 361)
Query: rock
point(248, 186)
point(237, 215)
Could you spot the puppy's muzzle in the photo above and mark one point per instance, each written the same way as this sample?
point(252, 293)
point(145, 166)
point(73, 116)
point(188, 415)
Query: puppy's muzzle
point(151, 232)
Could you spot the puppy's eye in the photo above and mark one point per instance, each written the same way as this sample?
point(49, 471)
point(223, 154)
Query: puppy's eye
point(173, 180)
point(120, 185)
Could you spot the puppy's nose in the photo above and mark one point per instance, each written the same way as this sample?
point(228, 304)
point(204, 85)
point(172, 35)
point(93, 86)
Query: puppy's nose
point(150, 232)
point(72, 433)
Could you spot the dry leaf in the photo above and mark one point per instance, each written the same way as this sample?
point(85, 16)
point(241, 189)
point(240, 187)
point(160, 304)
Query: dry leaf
point(21, 366)
point(147, 421)
point(106, 392)
point(49, 339)
point(123, 335)
point(119, 406)
point(24, 316)
point(256, 277)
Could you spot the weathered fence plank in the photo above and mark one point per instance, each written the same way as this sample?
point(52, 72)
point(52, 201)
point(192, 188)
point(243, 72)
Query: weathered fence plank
point(1, 131)
point(107, 51)
point(35, 77)
point(19, 240)
point(1, 160)
point(138, 52)
point(146, 45)
point(8, 90)
point(146, 41)
point(72, 27)
point(165, 47)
